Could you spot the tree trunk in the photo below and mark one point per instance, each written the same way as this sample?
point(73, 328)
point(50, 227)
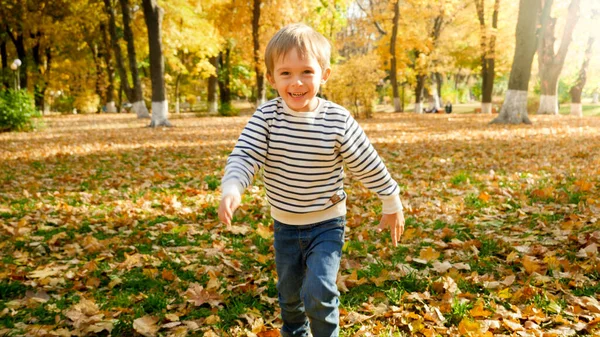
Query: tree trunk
point(225, 77)
point(139, 105)
point(514, 109)
point(438, 83)
point(551, 63)
point(177, 98)
point(124, 86)
point(393, 70)
point(488, 52)
point(260, 75)
point(576, 108)
point(97, 60)
point(153, 15)
point(213, 106)
point(4, 59)
point(419, 94)
point(109, 95)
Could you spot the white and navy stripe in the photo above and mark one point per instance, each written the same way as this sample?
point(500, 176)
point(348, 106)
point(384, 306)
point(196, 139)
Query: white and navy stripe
point(303, 155)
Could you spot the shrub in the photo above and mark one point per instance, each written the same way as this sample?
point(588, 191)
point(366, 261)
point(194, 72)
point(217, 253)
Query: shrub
point(16, 111)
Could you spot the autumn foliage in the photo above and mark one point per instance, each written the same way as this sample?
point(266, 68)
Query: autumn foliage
point(108, 226)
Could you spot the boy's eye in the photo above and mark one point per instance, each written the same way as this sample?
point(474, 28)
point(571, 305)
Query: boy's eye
point(285, 73)
point(308, 71)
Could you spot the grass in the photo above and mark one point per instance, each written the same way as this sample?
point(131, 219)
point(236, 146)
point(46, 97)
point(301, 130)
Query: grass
point(158, 204)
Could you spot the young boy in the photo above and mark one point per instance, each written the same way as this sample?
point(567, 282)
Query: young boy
point(302, 142)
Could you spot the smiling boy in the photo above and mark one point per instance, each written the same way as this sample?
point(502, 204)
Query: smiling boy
point(302, 142)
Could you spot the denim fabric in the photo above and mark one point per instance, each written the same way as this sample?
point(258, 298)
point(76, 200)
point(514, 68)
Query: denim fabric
point(308, 259)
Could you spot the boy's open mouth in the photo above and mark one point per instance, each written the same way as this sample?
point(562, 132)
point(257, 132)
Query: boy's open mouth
point(297, 94)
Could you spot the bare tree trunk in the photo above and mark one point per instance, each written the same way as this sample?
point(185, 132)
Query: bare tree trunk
point(488, 51)
point(419, 94)
point(114, 40)
point(4, 56)
point(514, 109)
point(109, 95)
point(393, 61)
point(260, 75)
point(576, 108)
point(139, 105)
point(224, 78)
point(153, 15)
point(551, 63)
point(213, 83)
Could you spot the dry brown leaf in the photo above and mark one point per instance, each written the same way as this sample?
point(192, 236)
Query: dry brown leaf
point(146, 325)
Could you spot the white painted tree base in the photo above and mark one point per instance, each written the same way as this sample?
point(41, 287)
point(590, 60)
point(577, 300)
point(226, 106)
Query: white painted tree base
point(397, 106)
point(213, 107)
point(576, 109)
point(548, 105)
point(140, 109)
point(111, 107)
point(160, 114)
point(419, 108)
point(514, 108)
point(486, 108)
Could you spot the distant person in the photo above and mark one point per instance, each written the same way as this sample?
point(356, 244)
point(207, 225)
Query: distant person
point(448, 107)
point(302, 142)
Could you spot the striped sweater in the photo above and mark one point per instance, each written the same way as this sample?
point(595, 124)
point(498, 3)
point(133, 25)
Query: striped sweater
point(303, 156)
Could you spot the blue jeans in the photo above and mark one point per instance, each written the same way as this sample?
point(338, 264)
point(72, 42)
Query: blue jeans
point(308, 259)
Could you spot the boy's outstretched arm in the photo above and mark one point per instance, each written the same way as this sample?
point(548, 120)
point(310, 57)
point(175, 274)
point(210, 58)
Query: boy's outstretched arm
point(227, 207)
point(395, 222)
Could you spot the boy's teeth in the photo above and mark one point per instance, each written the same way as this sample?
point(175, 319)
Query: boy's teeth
point(296, 94)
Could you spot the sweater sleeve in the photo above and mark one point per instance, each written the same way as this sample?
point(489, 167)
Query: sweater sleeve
point(247, 157)
point(366, 165)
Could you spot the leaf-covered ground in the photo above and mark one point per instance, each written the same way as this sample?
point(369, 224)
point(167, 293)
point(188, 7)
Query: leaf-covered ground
point(110, 226)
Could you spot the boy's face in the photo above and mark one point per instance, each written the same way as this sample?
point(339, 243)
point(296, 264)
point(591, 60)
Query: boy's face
point(297, 80)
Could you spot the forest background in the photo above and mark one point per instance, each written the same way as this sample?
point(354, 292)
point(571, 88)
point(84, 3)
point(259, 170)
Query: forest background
point(86, 55)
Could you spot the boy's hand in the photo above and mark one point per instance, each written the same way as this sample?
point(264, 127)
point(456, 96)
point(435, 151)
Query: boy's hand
point(228, 205)
point(395, 222)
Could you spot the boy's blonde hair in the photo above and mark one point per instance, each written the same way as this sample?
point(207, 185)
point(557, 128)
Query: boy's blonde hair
point(301, 37)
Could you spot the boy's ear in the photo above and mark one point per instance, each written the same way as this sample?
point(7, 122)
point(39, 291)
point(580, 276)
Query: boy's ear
point(325, 76)
point(271, 80)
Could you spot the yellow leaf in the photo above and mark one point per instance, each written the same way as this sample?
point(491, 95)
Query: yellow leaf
point(263, 231)
point(469, 327)
point(479, 310)
point(429, 254)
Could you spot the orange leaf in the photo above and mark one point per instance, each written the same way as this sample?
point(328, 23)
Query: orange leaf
point(484, 196)
point(584, 186)
point(269, 333)
point(531, 265)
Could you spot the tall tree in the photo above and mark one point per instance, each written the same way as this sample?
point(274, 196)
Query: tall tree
point(213, 86)
point(551, 62)
point(125, 87)
point(488, 53)
point(153, 15)
point(109, 96)
point(393, 60)
point(577, 88)
point(258, 67)
point(514, 109)
point(138, 103)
